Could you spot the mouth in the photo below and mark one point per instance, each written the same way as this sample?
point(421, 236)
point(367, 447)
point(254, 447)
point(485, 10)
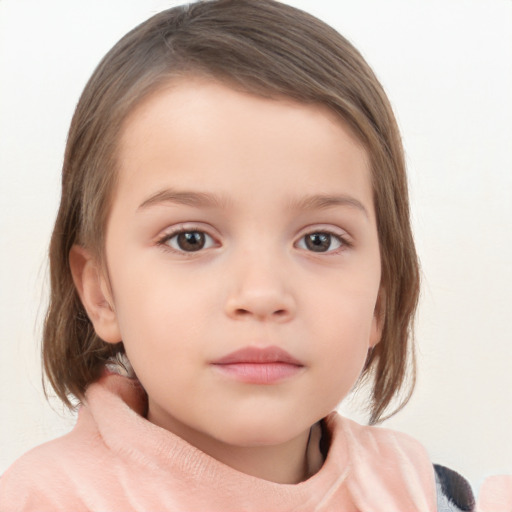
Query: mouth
point(254, 365)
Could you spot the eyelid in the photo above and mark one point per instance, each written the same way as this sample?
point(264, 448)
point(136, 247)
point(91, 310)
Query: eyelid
point(325, 228)
point(173, 231)
point(339, 233)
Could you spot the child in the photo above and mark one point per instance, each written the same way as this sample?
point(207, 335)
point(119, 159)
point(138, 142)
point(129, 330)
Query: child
point(231, 255)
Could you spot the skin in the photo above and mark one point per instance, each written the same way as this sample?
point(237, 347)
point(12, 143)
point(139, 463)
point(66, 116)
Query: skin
point(256, 282)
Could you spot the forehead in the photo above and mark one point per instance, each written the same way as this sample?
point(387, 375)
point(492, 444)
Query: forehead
point(204, 134)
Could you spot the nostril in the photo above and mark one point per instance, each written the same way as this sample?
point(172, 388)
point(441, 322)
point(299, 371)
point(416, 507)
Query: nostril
point(245, 312)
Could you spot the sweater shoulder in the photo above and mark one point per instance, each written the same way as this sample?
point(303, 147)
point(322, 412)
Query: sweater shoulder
point(404, 456)
point(40, 479)
point(389, 470)
point(382, 442)
point(43, 456)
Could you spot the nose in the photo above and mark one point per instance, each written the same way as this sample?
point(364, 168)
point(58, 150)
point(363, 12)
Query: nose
point(259, 290)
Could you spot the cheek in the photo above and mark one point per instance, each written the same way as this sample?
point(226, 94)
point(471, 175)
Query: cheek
point(346, 304)
point(156, 292)
point(157, 311)
point(343, 322)
point(340, 360)
point(344, 337)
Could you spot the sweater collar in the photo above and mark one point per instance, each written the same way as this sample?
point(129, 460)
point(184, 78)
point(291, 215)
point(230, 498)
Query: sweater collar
point(373, 468)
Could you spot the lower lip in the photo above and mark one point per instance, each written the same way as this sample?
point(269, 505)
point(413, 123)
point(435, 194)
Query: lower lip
point(259, 373)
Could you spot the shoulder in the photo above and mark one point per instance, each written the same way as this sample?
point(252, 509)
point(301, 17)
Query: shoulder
point(388, 470)
point(404, 467)
point(383, 444)
point(40, 479)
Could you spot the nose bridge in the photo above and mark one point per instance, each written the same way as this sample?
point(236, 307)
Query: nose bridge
point(260, 284)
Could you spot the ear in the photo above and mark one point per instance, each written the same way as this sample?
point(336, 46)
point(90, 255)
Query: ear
point(379, 317)
point(94, 292)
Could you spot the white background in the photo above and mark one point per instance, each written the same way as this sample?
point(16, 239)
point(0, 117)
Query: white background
point(447, 67)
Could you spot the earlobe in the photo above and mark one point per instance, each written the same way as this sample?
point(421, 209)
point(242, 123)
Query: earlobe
point(93, 290)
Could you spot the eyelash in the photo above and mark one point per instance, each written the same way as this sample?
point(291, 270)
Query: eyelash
point(163, 242)
point(342, 240)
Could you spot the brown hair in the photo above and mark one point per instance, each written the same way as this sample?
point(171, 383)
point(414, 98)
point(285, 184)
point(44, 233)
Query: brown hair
point(266, 48)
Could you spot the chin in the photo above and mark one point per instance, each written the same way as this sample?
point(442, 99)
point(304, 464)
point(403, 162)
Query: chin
point(260, 430)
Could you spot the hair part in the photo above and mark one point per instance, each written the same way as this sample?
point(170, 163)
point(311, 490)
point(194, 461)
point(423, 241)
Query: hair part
point(265, 48)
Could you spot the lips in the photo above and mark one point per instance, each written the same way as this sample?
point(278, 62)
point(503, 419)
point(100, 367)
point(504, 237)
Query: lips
point(255, 365)
point(259, 355)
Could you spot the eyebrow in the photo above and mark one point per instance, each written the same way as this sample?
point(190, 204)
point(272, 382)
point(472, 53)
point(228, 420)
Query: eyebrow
point(324, 201)
point(188, 198)
point(209, 200)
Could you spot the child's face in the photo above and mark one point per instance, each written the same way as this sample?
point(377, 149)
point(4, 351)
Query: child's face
point(242, 222)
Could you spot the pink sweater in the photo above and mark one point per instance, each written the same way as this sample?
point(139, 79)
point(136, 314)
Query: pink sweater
point(496, 494)
point(116, 460)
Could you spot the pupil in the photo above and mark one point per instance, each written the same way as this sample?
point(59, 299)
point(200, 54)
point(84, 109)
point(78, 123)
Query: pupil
point(191, 241)
point(318, 242)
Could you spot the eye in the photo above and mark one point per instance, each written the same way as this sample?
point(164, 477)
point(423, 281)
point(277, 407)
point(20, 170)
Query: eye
point(188, 241)
point(321, 241)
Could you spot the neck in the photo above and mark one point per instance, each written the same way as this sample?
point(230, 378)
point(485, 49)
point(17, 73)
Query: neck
point(284, 463)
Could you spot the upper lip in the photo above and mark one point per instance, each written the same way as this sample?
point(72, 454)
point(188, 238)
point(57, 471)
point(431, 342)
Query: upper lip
point(271, 354)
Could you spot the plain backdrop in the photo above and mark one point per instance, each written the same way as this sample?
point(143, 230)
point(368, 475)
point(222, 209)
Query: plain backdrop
point(447, 68)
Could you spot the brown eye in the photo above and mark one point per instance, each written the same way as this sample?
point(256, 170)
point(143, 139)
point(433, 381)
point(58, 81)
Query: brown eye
point(320, 242)
point(193, 241)
point(189, 241)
